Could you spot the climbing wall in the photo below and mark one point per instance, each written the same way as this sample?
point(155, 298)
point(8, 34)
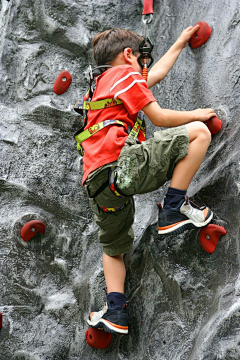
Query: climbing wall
point(184, 302)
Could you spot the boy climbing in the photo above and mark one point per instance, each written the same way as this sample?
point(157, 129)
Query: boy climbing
point(118, 163)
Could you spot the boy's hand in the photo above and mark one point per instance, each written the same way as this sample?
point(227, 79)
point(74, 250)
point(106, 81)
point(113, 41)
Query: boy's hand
point(187, 34)
point(203, 114)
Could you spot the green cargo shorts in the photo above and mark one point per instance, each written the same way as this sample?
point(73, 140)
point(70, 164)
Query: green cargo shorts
point(142, 168)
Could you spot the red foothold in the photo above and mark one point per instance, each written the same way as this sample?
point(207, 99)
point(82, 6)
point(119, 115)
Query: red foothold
point(201, 35)
point(0, 320)
point(31, 228)
point(97, 338)
point(214, 124)
point(209, 236)
point(62, 82)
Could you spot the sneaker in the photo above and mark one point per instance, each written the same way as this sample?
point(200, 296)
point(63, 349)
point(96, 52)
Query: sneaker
point(110, 319)
point(189, 216)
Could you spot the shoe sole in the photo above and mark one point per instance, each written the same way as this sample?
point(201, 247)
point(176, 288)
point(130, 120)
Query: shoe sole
point(181, 226)
point(109, 327)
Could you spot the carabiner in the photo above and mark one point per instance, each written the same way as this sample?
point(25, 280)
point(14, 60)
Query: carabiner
point(147, 22)
point(145, 53)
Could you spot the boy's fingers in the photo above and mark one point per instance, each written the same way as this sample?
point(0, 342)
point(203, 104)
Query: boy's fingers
point(189, 28)
point(194, 29)
point(211, 113)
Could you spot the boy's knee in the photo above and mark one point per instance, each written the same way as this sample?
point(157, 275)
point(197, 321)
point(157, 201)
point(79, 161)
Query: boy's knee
point(198, 129)
point(204, 132)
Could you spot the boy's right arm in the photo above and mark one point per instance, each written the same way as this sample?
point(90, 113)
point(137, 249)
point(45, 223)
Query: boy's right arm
point(164, 65)
point(172, 118)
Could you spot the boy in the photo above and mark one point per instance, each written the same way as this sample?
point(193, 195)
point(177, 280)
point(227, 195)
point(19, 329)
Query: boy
point(117, 166)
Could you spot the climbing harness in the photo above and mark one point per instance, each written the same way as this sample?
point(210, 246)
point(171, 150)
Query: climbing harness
point(82, 135)
point(111, 182)
point(145, 58)
point(82, 107)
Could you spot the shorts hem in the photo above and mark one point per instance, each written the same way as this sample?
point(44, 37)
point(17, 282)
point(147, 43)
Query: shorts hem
point(116, 252)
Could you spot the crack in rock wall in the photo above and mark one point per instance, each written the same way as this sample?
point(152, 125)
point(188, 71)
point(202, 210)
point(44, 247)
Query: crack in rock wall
point(184, 303)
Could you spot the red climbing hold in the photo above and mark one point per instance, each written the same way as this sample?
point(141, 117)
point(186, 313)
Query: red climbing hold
point(97, 338)
point(31, 228)
point(62, 82)
point(0, 320)
point(201, 36)
point(209, 236)
point(214, 124)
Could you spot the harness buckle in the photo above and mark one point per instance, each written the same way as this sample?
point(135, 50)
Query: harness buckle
point(112, 177)
point(78, 107)
point(112, 185)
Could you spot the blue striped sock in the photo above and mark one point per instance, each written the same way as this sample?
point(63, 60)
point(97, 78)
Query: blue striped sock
point(174, 198)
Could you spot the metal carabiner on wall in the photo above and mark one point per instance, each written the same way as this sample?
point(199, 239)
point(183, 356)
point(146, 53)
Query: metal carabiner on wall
point(147, 24)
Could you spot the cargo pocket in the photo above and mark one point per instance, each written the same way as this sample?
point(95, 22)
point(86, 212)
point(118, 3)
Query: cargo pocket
point(129, 164)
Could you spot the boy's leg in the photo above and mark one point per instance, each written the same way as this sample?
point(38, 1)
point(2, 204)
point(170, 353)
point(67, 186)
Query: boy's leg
point(114, 315)
point(185, 169)
point(114, 273)
point(178, 213)
point(116, 238)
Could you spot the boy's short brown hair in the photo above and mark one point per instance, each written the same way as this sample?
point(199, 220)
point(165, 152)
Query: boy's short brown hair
point(108, 44)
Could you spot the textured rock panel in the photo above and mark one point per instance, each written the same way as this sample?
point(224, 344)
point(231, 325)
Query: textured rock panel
point(184, 303)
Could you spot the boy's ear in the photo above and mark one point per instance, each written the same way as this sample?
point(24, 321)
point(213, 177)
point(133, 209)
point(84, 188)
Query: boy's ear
point(127, 54)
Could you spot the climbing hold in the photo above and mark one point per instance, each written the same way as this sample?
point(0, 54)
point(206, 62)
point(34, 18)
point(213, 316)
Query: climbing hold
point(209, 236)
point(214, 124)
point(201, 35)
point(31, 228)
point(97, 338)
point(0, 320)
point(62, 82)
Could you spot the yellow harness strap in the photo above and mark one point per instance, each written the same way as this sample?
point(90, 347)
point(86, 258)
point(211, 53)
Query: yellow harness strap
point(82, 135)
point(100, 104)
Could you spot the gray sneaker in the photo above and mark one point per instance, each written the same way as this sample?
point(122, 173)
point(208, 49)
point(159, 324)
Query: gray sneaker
point(110, 319)
point(190, 216)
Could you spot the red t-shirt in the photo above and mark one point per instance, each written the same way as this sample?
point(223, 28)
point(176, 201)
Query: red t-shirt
point(125, 83)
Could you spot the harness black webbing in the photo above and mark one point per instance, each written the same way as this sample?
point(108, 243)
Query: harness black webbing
point(102, 187)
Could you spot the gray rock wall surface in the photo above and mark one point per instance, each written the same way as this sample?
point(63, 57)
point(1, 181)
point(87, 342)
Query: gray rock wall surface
point(184, 303)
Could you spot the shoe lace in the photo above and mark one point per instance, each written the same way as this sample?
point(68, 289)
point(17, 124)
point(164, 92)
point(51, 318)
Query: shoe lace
point(190, 202)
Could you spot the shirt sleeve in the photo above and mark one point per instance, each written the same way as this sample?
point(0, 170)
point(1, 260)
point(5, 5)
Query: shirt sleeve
point(131, 88)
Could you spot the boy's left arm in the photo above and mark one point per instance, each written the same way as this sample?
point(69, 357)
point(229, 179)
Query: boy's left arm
point(164, 65)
